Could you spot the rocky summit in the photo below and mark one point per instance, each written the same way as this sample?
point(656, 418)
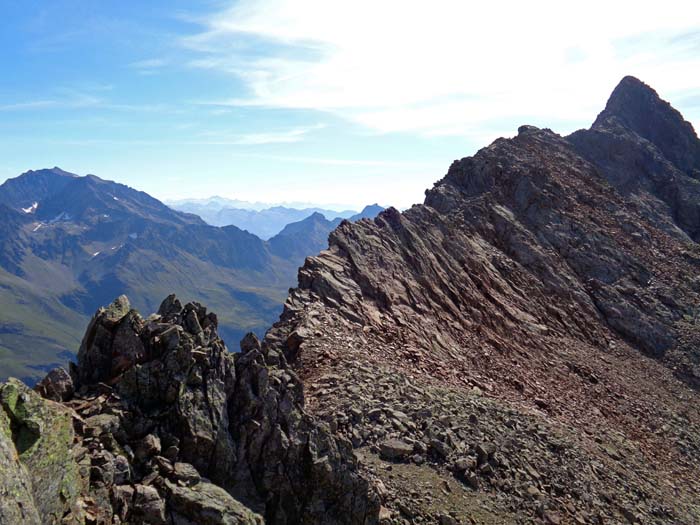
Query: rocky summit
point(521, 348)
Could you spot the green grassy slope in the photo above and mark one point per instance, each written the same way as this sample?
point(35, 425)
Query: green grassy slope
point(36, 329)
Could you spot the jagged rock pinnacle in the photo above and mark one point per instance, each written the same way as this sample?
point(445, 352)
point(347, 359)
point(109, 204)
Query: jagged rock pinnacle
point(172, 428)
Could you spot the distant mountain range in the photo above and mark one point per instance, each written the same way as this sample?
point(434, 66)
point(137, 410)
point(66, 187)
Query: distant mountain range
point(219, 202)
point(258, 218)
point(69, 244)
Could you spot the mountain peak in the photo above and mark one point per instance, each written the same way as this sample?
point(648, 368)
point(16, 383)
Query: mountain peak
point(31, 187)
point(49, 172)
point(630, 83)
point(637, 107)
point(368, 212)
point(58, 171)
point(631, 98)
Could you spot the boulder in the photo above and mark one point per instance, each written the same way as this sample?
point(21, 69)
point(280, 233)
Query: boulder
point(148, 506)
point(393, 449)
point(56, 386)
point(207, 504)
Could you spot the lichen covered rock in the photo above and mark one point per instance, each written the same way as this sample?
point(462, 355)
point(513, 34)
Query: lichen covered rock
point(16, 501)
point(42, 435)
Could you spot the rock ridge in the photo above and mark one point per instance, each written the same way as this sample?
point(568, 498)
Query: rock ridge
point(553, 278)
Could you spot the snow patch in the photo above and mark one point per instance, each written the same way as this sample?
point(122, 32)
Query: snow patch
point(115, 198)
point(31, 209)
point(37, 227)
point(134, 235)
point(95, 255)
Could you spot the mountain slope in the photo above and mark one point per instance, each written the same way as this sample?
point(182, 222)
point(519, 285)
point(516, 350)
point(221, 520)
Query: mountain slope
point(529, 333)
point(306, 237)
point(37, 331)
point(84, 240)
point(91, 199)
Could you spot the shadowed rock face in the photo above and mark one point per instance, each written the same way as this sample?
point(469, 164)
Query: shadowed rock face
point(637, 108)
point(172, 428)
point(644, 148)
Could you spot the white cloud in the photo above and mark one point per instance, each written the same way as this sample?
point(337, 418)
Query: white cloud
point(450, 67)
point(71, 99)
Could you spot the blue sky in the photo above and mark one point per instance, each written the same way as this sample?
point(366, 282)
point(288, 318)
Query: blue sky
point(320, 101)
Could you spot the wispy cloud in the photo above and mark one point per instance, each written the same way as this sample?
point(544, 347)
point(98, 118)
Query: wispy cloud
point(75, 99)
point(149, 66)
point(69, 99)
point(447, 67)
point(149, 63)
point(329, 161)
point(32, 104)
point(217, 138)
point(296, 134)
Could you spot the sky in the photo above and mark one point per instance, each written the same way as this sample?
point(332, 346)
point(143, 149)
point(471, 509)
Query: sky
point(336, 103)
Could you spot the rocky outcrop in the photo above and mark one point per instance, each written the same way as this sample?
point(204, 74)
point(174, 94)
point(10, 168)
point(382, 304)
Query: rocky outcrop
point(171, 428)
point(56, 386)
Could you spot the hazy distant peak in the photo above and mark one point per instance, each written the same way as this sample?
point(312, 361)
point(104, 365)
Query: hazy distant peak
point(368, 212)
